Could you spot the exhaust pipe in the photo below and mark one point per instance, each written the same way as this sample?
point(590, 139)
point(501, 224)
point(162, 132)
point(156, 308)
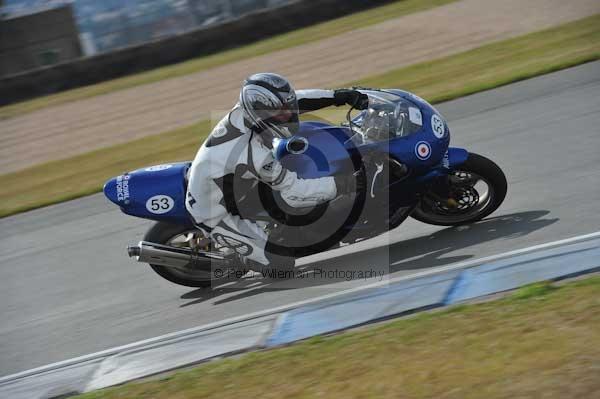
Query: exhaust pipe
point(179, 258)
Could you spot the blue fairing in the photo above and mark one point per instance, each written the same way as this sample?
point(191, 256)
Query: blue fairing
point(451, 160)
point(159, 192)
point(329, 148)
point(325, 155)
point(156, 193)
point(456, 157)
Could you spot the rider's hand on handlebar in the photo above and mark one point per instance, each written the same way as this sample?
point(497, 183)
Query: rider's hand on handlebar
point(351, 97)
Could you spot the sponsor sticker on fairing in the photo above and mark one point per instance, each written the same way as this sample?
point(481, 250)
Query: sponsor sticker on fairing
point(158, 168)
point(415, 116)
point(423, 150)
point(123, 188)
point(446, 160)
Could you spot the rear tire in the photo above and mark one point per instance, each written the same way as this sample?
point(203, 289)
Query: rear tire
point(486, 171)
point(163, 233)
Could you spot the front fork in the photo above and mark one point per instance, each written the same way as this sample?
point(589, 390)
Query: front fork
point(452, 192)
point(441, 191)
point(443, 183)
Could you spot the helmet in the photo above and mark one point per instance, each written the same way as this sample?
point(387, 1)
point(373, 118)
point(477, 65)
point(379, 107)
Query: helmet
point(270, 104)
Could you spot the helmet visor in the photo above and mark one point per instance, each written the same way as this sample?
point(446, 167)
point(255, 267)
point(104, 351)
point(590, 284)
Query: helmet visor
point(270, 110)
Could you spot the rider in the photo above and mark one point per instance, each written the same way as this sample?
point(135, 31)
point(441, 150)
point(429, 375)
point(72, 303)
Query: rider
point(240, 147)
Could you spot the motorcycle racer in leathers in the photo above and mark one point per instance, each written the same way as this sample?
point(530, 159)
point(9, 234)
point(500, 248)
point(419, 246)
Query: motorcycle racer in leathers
point(240, 147)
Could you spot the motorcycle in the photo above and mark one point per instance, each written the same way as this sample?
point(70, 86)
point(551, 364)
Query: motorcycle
point(401, 141)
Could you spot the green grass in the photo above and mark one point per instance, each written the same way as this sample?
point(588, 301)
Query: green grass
point(295, 38)
point(484, 68)
point(543, 344)
point(534, 290)
point(498, 63)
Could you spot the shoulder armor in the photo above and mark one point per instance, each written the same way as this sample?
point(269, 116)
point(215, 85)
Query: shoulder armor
point(223, 132)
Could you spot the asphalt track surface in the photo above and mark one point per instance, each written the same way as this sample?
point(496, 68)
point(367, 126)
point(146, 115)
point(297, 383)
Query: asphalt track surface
point(68, 288)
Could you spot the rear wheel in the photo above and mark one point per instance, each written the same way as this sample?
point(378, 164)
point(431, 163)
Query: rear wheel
point(181, 237)
point(473, 191)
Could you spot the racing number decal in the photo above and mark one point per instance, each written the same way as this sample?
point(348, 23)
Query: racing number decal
point(437, 125)
point(160, 204)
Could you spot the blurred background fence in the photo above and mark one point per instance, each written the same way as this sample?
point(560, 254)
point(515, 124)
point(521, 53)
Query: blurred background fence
point(111, 24)
point(38, 39)
point(101, 40)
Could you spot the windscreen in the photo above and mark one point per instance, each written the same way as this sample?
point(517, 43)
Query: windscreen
point(389, 116)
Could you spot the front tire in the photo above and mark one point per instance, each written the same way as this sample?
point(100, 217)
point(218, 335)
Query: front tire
point(470, 202)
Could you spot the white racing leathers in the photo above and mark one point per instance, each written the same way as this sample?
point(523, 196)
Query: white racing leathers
point(234, 153)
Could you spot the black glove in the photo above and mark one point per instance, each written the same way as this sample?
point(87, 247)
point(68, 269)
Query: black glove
point(346, 184)
point(351, 97)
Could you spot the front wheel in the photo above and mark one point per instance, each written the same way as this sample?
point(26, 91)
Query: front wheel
point(471, 192)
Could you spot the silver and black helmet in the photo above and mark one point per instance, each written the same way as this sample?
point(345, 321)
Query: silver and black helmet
point(270, 104)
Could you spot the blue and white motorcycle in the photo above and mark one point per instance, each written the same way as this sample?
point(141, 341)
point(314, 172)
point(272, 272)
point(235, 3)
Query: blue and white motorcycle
point(401, 142)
